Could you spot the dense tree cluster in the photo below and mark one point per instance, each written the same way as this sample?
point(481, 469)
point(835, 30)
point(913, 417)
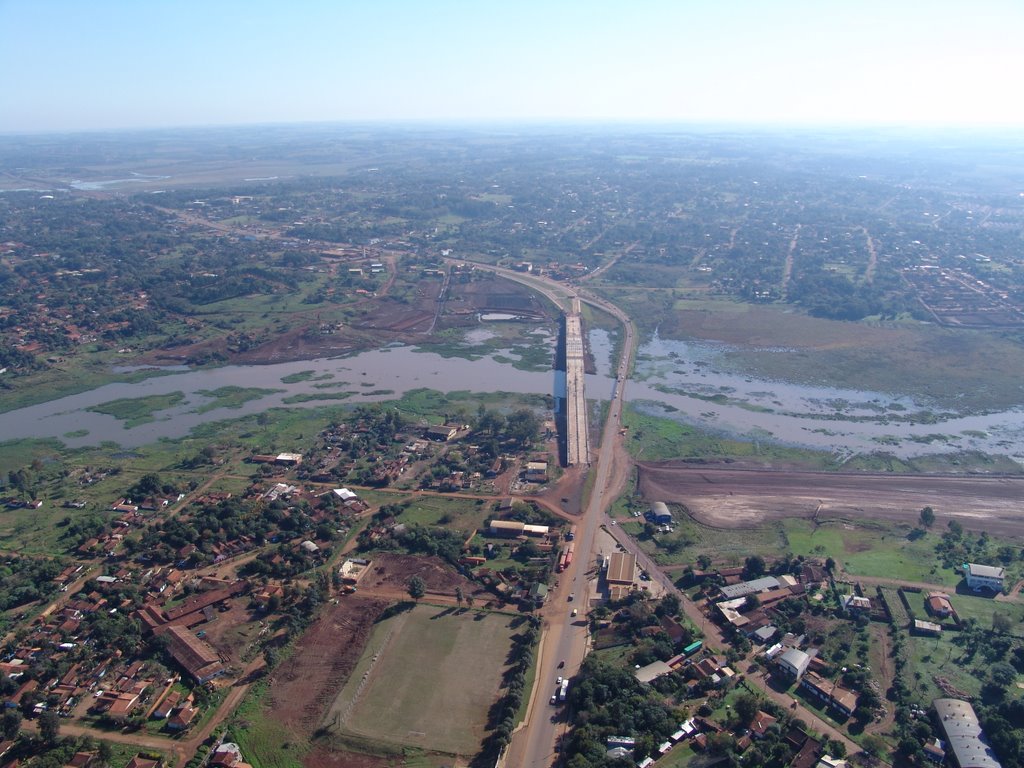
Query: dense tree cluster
point(24, 579)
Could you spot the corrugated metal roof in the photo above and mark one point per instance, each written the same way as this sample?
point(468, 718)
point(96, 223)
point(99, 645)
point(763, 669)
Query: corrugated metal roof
point(964, 735)
point(749, 587)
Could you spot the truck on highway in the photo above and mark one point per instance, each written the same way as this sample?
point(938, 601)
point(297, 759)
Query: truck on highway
point(565, 560)
point(563, 690)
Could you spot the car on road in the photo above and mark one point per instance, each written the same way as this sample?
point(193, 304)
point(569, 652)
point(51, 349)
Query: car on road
point(561, 663)
point(574, 612)
point(558, 680)
point(554, 698)
point(572, 596)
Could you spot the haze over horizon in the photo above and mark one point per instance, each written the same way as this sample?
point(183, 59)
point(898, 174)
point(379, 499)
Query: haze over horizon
point(110, 64)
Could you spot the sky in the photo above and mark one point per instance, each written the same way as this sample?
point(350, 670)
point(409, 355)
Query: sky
point(71, 65)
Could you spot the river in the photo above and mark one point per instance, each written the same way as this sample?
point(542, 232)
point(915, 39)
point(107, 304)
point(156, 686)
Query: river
point(675, 379)
point(681, 380)
point(378, 375)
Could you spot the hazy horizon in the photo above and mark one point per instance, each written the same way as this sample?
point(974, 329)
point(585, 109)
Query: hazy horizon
point(111, 65)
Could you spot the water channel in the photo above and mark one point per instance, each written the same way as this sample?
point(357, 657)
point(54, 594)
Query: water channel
point(675, 379)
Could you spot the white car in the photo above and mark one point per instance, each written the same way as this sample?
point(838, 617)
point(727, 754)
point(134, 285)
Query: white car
point(558, 680)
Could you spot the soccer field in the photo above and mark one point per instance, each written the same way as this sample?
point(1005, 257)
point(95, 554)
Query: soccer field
point(426, 679)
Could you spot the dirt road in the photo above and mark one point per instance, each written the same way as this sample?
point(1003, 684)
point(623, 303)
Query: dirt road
point(732, 498)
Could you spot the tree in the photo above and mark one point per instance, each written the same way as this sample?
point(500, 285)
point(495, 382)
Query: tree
point(927, 517)
point(106, 753)
point(527, 550)
point(753, 567)
point(746, 707)
point(873, 745)
point(1001, 622)
point(417, 587)
point(459, 595)
point(49, 727)
point(271, 656)
point(10, 722)
point(836, 748)
point(1002, 674)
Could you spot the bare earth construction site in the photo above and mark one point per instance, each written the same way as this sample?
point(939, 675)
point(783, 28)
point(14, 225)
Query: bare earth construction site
point(730, 498)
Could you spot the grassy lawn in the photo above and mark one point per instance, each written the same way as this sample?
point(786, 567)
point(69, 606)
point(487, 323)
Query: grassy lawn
point(981, 608)
point(431, 675)
point(938, 657)
point(691, 539)
point(265, 742)
point(461, 514)
point(871, 549)
point(681, 756)
point(868, 548)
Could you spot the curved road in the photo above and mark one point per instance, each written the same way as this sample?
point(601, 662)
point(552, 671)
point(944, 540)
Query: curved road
point(565, 638)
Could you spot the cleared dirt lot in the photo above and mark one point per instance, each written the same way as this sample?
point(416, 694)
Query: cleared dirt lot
point(232, 631)
point(733, 498)
point(389, 576)
point(309, 680)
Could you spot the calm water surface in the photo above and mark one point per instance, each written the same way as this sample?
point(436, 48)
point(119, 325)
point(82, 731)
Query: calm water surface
point(673, 378)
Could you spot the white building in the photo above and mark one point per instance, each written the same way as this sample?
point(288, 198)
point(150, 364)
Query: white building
point(794, 662)
point(984, 577)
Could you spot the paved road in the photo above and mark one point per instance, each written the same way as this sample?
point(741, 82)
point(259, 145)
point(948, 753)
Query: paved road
point(714, 640)
point(565, 638)
point(533, 745)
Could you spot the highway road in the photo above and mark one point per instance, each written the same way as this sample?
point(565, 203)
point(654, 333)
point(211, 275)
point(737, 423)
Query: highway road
point(565, 638)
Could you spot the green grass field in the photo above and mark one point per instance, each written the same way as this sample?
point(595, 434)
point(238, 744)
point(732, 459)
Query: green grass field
point(938, 657)
point(981, 607)
point(426, 679)
point(865, 548)
point(462, 514)
point(652, 438)
point(265, 742)
point(232, 397)
point(138, 410)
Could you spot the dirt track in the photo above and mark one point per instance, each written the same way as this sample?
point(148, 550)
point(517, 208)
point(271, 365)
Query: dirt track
point(732, 498)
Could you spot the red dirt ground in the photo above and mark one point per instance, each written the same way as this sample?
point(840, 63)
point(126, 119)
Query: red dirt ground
point(304, 685)
point(231, 631)
point(731, 498)
point(390, 573)
point(329, 758)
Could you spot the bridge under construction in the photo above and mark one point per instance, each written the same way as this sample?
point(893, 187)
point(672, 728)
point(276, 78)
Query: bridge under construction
point(577, 436)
